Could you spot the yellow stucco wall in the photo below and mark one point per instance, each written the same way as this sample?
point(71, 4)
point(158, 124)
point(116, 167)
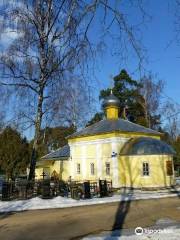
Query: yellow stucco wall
point(61, 167)
point(91, 153)
point(130, 169)
point(90, 156)
point(38, 172)
point(98, 149)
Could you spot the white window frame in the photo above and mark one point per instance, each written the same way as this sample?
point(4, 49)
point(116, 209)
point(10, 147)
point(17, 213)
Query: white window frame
point(78, 168)
point(147, 169)
point(108, 169)
point(92, 168)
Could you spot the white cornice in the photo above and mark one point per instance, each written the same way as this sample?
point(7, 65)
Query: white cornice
point(101, 141)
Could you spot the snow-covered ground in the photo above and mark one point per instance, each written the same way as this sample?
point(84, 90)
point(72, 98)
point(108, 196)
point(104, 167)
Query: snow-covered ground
point(174, 234)
point(63, 202)
point(164, 229)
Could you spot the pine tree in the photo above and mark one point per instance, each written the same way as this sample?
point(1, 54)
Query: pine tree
point(127, 90)
point(53, 138)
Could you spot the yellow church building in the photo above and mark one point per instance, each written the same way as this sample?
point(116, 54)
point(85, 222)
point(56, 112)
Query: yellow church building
point(113, 149)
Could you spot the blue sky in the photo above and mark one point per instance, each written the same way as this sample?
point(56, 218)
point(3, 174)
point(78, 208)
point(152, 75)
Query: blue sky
point(163, 53)
point(158, 38)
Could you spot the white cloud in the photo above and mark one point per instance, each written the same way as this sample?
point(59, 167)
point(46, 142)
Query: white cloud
point(8, 36)
point(11, 3)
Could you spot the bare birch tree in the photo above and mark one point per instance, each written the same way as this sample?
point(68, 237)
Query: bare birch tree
point(151, 93)
point(52, 43)
point(75, 106)
point(171, 119)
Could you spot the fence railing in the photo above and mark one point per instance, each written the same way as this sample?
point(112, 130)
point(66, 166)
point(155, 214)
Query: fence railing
point(24, 189)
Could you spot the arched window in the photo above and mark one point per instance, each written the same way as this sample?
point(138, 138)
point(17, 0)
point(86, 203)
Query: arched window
point(145, 169)
point(107, 168)
point(78, 168)
point(92, 168)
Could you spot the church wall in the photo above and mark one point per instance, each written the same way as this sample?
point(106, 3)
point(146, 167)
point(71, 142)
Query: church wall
point(62, 169)
point(97, 152)
point(84, 155)
point(130, 169)
point(38, 172)
point(125, 171)
point(98, 149)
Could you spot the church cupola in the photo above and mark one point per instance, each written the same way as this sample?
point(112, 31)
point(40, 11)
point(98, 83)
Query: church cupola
point(111, 105)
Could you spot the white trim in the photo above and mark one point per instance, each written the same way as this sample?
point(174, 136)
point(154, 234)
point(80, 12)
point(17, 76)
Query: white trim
point(83, 161)
point(100, 141)
point(99, 160)
point(72, 163)
point(115, 169)
point(89, 158)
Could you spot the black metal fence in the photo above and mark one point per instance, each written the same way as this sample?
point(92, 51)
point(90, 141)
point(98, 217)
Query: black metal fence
point(46, 189)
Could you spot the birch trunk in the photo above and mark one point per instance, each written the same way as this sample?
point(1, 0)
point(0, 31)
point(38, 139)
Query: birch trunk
point(36, 137)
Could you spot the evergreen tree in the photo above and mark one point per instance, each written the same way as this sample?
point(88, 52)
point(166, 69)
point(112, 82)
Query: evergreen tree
point(14, 153)
point(127, 90)
point(97, 117)
point(53, 138)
